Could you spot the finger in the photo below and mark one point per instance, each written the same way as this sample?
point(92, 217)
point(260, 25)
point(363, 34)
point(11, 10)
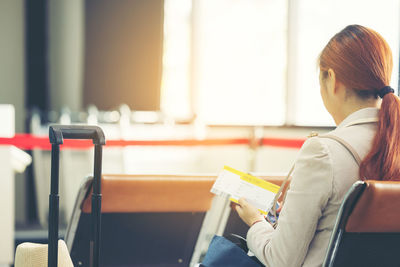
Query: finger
point(233, 205)
point(279, 206)
point(242, 202)
point(279, 209)
point(240, 212)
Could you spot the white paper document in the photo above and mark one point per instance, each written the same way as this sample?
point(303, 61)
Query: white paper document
point(237, 184)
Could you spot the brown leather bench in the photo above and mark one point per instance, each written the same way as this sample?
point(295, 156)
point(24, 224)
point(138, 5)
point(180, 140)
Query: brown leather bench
point(154, 193)
point(147, 220)
point(367, 230)
point(377, 210)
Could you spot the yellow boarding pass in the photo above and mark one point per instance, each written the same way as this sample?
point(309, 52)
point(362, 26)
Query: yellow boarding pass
point(237, 184)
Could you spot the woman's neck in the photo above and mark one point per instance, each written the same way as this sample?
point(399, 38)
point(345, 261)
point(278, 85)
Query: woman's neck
point(352, 105)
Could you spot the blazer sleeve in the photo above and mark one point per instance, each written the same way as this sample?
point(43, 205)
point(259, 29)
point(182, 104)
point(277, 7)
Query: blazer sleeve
point(309, 191)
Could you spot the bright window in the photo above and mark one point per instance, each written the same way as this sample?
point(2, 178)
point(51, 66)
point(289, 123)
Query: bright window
point(175, 83)
point(254, 62)
point(240, 61)
point(315, 23)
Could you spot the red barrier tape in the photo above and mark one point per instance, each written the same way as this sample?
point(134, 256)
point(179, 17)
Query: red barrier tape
point(29, 142)
point(281, 142)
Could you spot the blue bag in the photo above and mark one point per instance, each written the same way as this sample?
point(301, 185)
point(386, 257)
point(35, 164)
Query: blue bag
point(223, 253)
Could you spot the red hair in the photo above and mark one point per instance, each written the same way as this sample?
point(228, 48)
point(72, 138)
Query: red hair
point(362, 62)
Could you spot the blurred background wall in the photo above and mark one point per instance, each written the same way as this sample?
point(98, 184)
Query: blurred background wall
point(12, 79)
point(123, 53)
point(12, 58)
point(65, 41)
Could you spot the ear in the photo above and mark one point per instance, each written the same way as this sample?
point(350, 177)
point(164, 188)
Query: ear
point(331, 82)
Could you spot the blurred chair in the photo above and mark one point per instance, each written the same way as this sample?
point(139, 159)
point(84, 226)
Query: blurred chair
point(367, 229)
point(147, 220)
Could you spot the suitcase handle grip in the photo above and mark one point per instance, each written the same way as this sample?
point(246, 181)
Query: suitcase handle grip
point(57, 133)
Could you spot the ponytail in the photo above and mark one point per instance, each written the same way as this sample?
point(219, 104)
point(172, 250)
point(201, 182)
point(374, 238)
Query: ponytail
point(383, 160)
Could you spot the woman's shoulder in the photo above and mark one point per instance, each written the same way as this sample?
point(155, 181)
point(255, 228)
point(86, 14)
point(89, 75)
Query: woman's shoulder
point(314, 145)
point(317, 148)
point(334, 145)
point(313, 152)
point(357, 137)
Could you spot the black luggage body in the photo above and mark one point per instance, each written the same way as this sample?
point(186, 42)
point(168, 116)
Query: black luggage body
point(57, 133)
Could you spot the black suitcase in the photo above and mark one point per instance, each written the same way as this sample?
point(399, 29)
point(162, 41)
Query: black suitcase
point(57, 133)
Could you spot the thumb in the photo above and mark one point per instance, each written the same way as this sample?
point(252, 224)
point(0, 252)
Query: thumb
point(239, 210)
point(242, 202)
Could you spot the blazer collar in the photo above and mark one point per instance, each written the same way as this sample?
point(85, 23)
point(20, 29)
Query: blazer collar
point(365, 115)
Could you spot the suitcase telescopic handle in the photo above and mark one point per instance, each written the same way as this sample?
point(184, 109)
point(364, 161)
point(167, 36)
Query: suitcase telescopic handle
point(57, 134)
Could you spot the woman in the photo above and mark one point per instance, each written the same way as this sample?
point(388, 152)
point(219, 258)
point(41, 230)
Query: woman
point(355, 71)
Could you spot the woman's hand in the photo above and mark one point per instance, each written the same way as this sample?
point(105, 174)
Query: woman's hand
point(247, 212)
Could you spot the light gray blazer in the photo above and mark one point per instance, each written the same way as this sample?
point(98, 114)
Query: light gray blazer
point(324, 171)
